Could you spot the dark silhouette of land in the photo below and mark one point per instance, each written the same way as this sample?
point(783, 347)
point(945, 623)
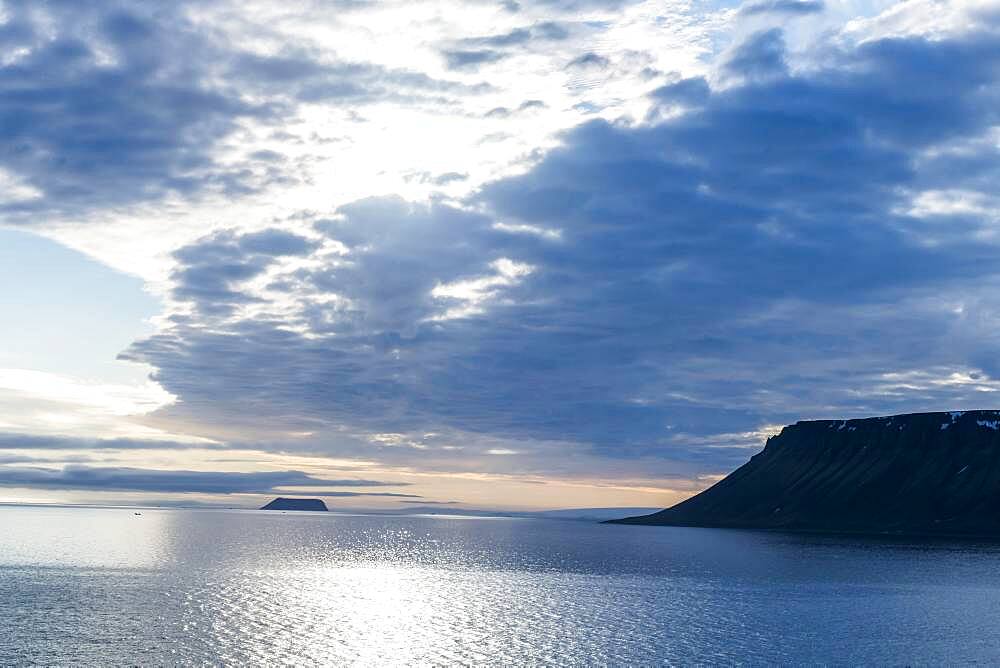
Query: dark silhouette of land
point(283, 503)
point(920, 474)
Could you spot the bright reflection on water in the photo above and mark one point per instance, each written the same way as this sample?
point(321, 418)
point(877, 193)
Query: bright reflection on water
point(86, 586)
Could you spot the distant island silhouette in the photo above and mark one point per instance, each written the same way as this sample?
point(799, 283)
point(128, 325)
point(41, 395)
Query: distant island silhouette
point(917, 474)
point(284, 503)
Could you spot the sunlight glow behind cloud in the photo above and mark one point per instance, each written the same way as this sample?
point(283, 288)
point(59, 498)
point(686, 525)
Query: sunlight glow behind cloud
point(550, 240)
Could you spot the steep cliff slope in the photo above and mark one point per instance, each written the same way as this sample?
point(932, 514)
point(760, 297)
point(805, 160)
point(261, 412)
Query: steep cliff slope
point(925, 473)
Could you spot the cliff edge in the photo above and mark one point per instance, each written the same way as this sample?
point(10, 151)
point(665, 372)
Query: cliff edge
point(924, 473)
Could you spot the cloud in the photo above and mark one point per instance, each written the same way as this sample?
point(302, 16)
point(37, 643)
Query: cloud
point(471, 52)
point(594, 60)
point(444, 179)
point(103, 107)
point(572, 6)
point(154, 480)
point(760, 56)
point(310, 76)
point(16, 441)
point(276, 243)
point(435, 503)
point(25, 459)
point(83, 102)
point(504, 112)
point(791, 7)
point(469, 58)
point(542, 31)
point(754, 259)
point(213, 268)
point(685, 92)
point(514, 37)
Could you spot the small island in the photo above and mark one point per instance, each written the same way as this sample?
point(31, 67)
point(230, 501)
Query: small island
point(917, 474)
point(283, 503)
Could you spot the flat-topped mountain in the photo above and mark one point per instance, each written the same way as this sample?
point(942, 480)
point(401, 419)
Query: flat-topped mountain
point(924, 473)
point(283, 503)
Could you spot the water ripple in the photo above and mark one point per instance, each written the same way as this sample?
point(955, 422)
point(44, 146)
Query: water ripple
point(96, 586)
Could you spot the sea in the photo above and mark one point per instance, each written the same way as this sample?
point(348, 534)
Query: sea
point(107, 586)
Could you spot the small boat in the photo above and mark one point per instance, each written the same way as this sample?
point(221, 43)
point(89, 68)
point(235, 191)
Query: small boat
point(137, 513)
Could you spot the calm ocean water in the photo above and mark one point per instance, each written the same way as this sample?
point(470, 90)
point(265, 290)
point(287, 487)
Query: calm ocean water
point(100, 586)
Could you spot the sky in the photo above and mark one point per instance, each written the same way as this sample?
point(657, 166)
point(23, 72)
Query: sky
point(517, 255)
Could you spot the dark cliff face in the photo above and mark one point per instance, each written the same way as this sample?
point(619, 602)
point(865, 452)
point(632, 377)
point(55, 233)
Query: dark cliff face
point(925, 473)
point(282, 503)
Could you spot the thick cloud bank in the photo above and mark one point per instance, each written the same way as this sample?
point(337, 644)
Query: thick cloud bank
point(787, 240)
